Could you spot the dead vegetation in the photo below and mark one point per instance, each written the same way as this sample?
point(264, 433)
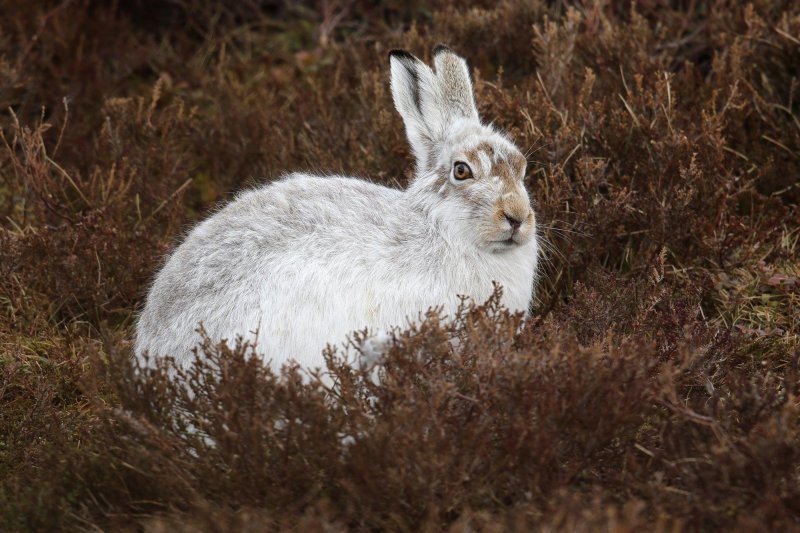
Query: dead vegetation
point(657, 385)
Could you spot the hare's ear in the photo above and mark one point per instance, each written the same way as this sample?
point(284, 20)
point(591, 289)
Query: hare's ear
point(416, 92)
point(456, 83)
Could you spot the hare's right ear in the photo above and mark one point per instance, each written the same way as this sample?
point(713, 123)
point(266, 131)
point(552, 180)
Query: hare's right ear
point(417, 96)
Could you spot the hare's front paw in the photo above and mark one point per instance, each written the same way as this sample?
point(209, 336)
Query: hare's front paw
point(371, 352)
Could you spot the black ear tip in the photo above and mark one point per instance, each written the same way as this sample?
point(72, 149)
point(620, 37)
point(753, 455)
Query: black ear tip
point(397, 53)
point(439, 48)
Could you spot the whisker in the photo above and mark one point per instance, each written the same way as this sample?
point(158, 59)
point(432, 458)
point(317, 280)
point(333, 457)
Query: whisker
point(537, 163)
point(533, 149)
point(550, 250)
point(565, 230)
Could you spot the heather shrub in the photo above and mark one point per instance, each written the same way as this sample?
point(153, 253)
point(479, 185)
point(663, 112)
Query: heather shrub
point(655, 384)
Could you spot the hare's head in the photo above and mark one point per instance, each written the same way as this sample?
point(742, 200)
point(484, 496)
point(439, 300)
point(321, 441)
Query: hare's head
point(469, 176)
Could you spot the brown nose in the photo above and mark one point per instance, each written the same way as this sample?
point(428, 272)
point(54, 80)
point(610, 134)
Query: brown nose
point(515, 224)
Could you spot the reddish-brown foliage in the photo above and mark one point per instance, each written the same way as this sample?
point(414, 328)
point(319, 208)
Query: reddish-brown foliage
point(657, 385)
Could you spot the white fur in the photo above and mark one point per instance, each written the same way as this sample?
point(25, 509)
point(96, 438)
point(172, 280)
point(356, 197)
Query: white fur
point(306, 260)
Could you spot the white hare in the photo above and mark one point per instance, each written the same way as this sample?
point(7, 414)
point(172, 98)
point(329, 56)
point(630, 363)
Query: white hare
point(306, 260)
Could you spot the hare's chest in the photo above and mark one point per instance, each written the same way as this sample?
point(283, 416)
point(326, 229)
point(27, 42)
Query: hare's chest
point(514, 273)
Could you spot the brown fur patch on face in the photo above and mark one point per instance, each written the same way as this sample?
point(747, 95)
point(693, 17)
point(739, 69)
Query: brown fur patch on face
point(474, 154)
point(506, 172)
point(514, 202)
point(517, 207)
point(507, 167)
point(510, 168)
point(499, 215)
point(517, 160)
point(487, 148)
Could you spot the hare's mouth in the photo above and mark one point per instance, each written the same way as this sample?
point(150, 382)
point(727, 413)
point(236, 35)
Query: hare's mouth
point(507, 243)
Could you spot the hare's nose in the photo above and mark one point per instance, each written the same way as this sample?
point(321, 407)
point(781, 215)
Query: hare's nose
point(515, 224)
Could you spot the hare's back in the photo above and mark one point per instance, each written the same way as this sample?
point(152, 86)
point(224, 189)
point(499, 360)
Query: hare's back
point(300, 204)
point(299, 218)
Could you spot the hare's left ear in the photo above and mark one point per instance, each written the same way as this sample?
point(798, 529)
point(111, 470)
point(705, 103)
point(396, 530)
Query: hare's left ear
point(417, 96)
point(455, 82)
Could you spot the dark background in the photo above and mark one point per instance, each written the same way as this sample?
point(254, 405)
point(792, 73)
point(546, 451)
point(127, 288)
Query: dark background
point(656, 384)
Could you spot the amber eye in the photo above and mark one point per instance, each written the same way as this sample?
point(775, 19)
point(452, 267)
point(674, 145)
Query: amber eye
point(461, 171)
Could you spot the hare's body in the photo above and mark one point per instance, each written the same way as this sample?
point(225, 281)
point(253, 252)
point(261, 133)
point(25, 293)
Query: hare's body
point(304, 261)
point(281, 260)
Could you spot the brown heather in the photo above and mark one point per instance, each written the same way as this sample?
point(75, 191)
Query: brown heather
point(656, 387)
